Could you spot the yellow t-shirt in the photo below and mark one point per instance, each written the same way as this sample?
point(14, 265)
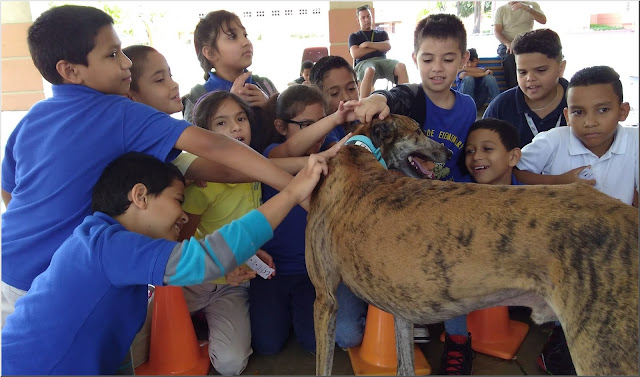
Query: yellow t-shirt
point(220, 203)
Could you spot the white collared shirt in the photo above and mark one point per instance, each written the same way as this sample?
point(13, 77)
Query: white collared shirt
point(558, 150)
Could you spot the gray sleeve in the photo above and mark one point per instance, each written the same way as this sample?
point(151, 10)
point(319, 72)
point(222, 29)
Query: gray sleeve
point(187, 112)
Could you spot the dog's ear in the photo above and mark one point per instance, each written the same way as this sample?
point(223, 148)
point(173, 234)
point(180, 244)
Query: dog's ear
point(382, 133)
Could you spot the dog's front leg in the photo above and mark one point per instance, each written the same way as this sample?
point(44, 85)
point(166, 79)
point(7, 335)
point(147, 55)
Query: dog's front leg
point(324, 318)
point(404, 346)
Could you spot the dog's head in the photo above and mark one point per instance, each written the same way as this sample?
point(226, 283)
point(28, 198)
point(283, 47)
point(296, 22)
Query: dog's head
point(404, 146)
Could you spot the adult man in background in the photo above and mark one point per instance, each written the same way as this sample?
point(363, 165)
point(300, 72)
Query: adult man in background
point(511, 19)
point(369, 47)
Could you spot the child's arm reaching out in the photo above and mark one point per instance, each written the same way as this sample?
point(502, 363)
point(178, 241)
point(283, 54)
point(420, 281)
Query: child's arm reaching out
point(194, 261)
point(232, 154)
point(301, 141)
point(571, 176)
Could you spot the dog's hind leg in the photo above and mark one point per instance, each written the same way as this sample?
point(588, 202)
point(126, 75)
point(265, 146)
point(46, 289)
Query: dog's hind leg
point(404, 346)
point(324, 319)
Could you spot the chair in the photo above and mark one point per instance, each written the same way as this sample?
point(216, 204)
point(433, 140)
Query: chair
point(314, 53)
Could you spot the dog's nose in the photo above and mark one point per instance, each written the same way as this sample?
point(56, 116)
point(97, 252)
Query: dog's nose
point(449, 153)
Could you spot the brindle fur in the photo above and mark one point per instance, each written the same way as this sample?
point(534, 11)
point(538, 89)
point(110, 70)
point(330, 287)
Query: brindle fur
point(427, 251)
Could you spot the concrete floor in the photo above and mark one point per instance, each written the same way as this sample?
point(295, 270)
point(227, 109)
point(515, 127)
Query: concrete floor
point(293, 360)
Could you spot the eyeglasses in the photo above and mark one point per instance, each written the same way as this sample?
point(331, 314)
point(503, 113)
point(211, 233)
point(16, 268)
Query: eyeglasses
point(302, 124)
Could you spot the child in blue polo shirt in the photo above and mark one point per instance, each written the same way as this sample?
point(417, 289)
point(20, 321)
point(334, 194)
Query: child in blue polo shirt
point(490, 154)
point(82, 313)
point(57, 151)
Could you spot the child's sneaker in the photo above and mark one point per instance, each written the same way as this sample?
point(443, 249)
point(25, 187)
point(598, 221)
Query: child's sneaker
point(457, 358)
point(555, 358)
point(421, 334)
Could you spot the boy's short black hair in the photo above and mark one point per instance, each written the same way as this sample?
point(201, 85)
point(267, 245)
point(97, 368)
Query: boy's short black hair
point(600, 74)
point(293, 100)
point(361, 8)
point(307, 64)
point(508, 133)
point(119, 177)
point(543, 41)
point(138, 56)
point(473, 54)
point(326, 64)
point(66, 32)
point(440, 26)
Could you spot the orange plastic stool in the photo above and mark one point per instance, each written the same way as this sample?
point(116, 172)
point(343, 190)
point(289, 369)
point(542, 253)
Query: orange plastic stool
point(493, 333)
point(377, 356)
point(174, 348)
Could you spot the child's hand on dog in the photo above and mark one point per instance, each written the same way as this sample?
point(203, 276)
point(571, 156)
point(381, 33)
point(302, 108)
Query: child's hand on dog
point(370, 106)
point(327, 154)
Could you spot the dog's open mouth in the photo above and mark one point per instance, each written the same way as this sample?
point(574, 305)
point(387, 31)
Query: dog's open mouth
point(422, 165)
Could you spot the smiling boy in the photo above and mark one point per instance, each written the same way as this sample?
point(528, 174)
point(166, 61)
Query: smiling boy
point(82, 313)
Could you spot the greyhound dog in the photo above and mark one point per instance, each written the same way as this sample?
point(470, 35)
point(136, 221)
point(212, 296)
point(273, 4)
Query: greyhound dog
point(426, 251)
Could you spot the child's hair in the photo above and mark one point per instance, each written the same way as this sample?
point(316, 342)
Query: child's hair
point(473, 54)
point(119, 177)
point(209, 104)
point(138, 56)
point(543, 41)
point(207, 32)
point(508, 133)
point(66, 33)
point(600, 74)
point(440, 26)
point(293, 100)
point(326, 64)
point(307, 64)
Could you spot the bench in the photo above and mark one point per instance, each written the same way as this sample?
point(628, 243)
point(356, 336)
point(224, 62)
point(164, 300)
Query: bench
point(495, 65)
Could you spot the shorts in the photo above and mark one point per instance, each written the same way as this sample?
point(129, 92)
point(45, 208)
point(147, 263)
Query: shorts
point(384, 68)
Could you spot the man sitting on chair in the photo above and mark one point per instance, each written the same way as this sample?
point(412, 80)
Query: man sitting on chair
point(369, 47)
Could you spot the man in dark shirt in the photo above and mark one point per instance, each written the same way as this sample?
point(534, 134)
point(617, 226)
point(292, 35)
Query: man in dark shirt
point(368, 47)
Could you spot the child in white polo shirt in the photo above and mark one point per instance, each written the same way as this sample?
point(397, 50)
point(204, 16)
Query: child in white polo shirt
point(595, 147)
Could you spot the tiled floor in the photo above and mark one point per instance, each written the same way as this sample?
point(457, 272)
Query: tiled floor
point(293, 360)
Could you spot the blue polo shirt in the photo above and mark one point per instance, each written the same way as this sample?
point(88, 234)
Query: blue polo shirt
point(510, 106)
point(53, 159)
point(216, 83)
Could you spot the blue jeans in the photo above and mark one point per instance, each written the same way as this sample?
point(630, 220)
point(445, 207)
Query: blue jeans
point(456, 325)
point(285, 301)
point(481, 89)
point(351, 317)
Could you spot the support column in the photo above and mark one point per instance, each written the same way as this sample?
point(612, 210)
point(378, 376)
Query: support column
point(343, 21)
point(21, 82)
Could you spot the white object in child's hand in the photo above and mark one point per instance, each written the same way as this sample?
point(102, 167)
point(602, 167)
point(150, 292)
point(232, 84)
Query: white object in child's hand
point(259, 266)
point(586, 173)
